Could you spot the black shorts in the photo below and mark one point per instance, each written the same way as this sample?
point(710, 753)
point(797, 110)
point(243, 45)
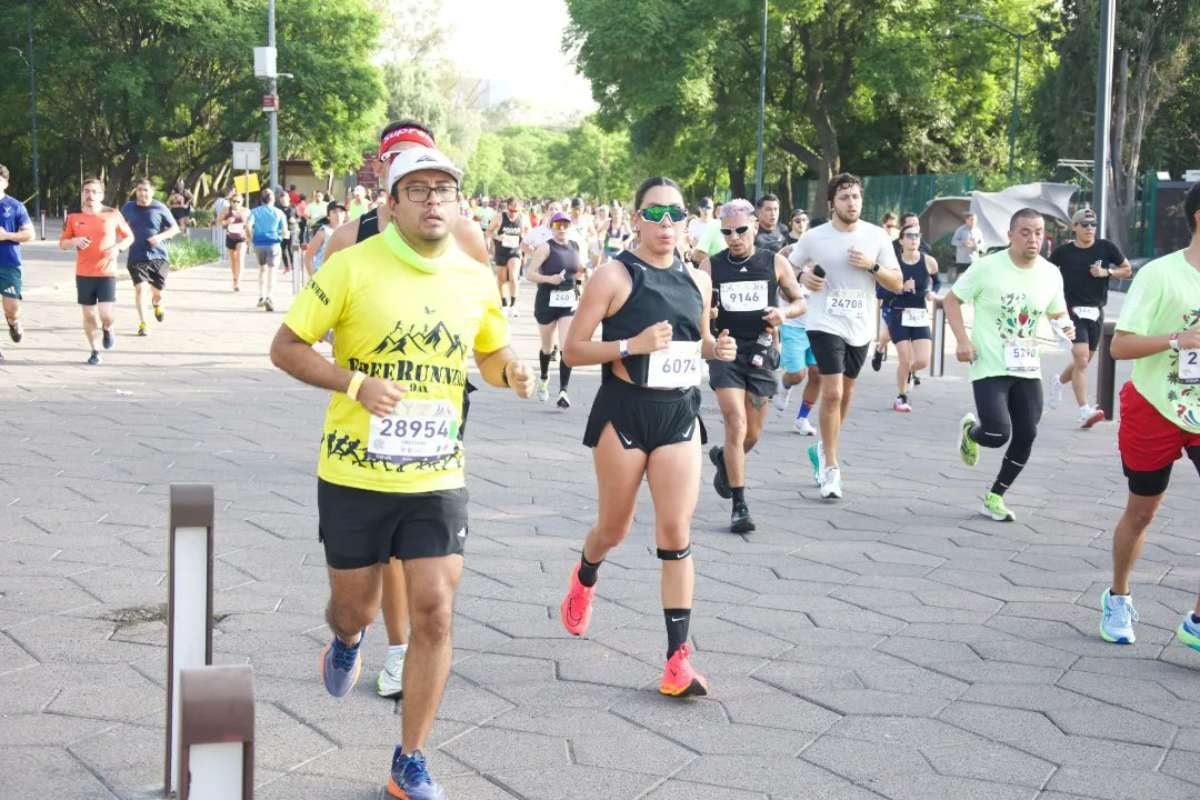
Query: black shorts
point(152, 272)
point(91, 290)
point(836, 357)
point(543, 313)
point(644, 419)
point(233, 244)
point(1088, 331)
point(503, 256)
point(742, 374)
point(360, 527)
point(893, 317)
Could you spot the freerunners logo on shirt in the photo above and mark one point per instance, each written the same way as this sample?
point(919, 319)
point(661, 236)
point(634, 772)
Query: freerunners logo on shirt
point(408, 340)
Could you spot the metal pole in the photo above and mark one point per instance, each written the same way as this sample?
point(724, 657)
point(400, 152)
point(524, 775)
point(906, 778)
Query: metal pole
point(1103, 137)
point(273, 114)
point(762, 109)
point(1012, 125)
point(37, 184)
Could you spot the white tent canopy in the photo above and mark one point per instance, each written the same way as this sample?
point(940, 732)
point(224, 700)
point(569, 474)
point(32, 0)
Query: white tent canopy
point(993, 210)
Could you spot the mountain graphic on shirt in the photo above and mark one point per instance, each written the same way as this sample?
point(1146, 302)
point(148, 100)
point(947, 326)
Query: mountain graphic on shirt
point(408, 340)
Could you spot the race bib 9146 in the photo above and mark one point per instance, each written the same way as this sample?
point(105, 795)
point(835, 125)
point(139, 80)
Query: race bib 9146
point(744, 296)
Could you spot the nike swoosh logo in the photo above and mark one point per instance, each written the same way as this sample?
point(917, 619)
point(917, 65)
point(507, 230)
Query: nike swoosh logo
point(688, 434)
point(625, 439)
point(681, 619)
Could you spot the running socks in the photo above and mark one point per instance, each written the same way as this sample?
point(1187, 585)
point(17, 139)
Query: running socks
point(1009, 470)
point(678, 620)
point(544, 363)
point(739, 498)
point(564, 375)
point(587, 571)
point(804, 409)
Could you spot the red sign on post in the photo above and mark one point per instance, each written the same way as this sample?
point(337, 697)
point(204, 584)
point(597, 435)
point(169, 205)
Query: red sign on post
point(270, 102)
point(366, 173)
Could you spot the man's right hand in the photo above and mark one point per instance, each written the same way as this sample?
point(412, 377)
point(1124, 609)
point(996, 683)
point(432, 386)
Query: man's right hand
point(1190, 340)
point(81, 242)
point(379, 396)
point(965, 352)
point(652, 339)
point(812, 282)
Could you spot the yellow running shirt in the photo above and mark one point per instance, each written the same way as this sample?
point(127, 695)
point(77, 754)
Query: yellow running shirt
point(415, 321)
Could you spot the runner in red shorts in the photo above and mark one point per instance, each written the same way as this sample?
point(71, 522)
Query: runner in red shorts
point(1160, 411)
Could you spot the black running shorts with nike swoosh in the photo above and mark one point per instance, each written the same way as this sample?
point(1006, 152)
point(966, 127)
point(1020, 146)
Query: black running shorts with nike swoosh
point(360, 527)
point(644, 419)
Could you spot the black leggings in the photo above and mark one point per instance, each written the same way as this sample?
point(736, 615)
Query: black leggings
point(286, 248)
point(1009, 411)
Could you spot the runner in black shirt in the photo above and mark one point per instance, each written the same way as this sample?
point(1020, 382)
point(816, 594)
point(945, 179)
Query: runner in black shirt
point(1086, 264)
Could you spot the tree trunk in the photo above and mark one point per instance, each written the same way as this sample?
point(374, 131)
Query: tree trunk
point(737, 175)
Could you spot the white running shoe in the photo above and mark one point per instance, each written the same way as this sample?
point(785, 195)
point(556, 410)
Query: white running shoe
point(1089, 416)
point(901, 405)
point(782, 396)
point(1054, 390)
point(390, 682)
point(831, 484)
point(804, 427)
point(543, 391)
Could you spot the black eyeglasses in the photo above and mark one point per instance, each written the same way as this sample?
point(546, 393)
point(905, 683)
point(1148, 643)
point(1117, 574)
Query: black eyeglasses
point(738, 231)
point(419, 193)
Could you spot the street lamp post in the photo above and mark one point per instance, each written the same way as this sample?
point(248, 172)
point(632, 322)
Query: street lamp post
point(1101, 141)
point(762, 109)
point(37, 188)
point(1012, 124)
point(273, 114)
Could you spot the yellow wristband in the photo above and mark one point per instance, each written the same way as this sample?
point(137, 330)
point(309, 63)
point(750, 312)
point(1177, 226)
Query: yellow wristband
point(356, 382)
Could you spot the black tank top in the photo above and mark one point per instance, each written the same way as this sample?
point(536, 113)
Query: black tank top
point(658, 294)
point(563, 258)
point(368, 225)
point(509, 227)
point(919, 274)
point(745, 326)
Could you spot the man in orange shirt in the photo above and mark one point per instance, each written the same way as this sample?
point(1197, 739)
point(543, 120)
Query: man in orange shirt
point(97, 235)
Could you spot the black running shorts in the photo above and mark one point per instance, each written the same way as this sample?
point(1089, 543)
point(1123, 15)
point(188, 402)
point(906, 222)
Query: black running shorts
point(742, 374)
point(644, 419)
point(836, 357)
point(92, 290)
point(1088, 331)
point(543, 312)
point(360, 527)
point(152, 272)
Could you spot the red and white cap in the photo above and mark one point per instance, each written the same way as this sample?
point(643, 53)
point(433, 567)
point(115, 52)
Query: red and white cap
point(410, 134)
point(416, 159)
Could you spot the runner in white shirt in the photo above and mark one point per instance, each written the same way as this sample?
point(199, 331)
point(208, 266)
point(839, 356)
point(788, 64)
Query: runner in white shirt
point(849, 256)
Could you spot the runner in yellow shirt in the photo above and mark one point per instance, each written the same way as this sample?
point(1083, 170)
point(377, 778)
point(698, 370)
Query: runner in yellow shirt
point(406, 307)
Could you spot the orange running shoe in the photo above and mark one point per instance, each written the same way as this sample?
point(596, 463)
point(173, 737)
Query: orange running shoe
point(679, 679)
point(576, 608)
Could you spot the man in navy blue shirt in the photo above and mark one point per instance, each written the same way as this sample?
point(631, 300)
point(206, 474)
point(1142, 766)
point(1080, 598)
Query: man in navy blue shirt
point(152, 224)
point(15, 228)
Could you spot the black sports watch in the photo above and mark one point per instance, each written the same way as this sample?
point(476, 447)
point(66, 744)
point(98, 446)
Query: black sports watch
point(875, 268)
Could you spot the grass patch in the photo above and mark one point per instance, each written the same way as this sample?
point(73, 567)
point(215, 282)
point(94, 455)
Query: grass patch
point(185, 253)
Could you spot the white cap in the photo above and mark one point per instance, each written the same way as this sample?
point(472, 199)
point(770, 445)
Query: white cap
point(416, 159)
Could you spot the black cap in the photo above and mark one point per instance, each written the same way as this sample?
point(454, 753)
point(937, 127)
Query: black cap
point(577, 202)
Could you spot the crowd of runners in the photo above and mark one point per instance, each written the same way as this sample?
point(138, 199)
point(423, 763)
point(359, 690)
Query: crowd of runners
point(414, 285)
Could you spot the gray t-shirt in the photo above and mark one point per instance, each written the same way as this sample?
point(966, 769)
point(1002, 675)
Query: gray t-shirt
point(962, 253)
point(846, 306)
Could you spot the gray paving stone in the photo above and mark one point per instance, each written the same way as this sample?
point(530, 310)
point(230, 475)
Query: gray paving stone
point(1121, 784)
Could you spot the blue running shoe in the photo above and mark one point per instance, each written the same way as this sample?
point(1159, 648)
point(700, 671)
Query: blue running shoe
point(410, 779)
point(341, 666)
point(1116, 625)
point(1188, 632)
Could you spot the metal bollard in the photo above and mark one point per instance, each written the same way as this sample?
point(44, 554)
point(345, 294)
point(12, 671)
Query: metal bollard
point(937, 361)
point(1106, 372)
point(216, 742)
point(189, 605)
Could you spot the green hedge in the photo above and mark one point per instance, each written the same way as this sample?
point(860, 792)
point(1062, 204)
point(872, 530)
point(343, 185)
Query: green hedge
point(186, 252)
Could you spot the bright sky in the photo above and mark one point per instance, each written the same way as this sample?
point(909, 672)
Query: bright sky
point(518, 47)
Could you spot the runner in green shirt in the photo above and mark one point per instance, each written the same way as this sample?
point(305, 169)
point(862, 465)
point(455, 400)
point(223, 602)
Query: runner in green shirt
point(1011, 291)
point(1160, 411)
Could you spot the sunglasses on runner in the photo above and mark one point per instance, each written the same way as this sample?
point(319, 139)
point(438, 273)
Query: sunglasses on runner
point(912, 235)
point(655, 214)
point(738, 231)
point(1087, 224)
point(561, 225)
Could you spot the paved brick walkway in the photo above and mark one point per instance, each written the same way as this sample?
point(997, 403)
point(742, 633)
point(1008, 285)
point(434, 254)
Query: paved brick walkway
point(893, 645)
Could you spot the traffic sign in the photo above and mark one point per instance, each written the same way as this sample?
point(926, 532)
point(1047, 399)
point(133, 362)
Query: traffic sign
point(247, 156)
point(270, 102)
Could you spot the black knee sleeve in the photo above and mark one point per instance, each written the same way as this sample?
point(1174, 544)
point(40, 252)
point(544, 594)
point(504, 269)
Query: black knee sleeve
point(674, 555)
